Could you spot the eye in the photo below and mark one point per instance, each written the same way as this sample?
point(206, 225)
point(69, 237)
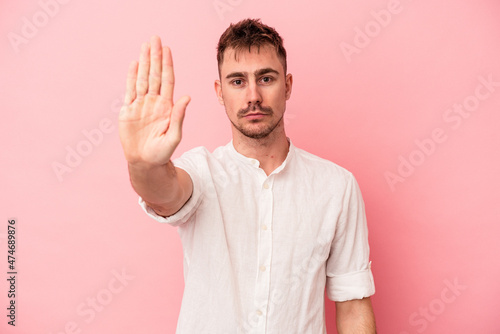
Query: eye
point(267, 80)
point(237, 82)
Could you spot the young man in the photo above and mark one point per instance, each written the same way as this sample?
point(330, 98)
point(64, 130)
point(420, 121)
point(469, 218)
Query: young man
point(265, 226)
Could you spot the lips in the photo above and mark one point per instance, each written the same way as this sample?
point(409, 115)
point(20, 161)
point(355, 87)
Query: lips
point(255, 115)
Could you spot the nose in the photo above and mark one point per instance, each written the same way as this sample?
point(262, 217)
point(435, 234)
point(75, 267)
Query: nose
point(254, 95)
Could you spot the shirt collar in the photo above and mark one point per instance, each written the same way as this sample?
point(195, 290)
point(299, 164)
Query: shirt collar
point(255, 162)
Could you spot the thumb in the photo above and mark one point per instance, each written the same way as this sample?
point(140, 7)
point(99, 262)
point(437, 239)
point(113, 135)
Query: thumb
point(177, 117)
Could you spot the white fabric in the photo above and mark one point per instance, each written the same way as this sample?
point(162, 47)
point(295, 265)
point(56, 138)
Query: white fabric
point(259, 250)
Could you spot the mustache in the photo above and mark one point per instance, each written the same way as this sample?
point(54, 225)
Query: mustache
point(253, 107)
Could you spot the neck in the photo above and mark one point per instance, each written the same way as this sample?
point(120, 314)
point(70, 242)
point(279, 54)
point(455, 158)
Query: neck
point(271, 151)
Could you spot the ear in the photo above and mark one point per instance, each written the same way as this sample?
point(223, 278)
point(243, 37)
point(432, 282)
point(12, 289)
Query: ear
point(218, 91)
point(288, 85)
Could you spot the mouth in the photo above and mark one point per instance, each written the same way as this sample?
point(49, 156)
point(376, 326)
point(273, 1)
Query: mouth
point(255, 112)
point(256, 115)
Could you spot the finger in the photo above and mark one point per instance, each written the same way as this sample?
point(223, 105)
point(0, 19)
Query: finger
point(177, 116)
point(143, 72)
point(167, 75)
point(155, 69)
point(131, 79)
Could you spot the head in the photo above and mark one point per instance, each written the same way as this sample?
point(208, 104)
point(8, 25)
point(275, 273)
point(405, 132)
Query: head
point(253, 84)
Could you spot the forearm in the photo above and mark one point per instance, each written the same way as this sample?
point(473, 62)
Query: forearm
point(161, 187)
point(355, 317)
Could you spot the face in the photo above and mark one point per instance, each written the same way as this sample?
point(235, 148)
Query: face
point(253, 89)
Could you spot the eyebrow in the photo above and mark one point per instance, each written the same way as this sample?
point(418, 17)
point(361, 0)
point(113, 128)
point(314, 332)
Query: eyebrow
point(256, 73)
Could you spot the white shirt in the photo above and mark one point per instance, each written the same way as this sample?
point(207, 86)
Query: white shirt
point(259, 250)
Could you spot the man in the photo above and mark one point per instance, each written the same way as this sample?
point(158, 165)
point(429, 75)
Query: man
point(265, 226)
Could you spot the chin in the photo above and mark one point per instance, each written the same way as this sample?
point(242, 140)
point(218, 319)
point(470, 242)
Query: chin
point(256, 133)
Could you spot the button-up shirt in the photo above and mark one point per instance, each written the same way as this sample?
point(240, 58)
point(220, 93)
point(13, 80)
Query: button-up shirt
point(259, 250)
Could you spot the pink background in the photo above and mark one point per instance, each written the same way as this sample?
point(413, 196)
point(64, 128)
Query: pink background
point(435, 225)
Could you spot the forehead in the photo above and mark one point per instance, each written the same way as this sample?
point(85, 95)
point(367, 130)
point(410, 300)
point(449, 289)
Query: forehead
point(244, 60)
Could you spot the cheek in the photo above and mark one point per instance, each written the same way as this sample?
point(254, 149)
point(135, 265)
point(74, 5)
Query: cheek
point(230, 96)
point(277, 100)
point(232, 105)
point(236, 100)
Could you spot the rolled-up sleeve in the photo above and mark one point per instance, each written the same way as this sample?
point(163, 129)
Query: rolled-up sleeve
point(348, 267)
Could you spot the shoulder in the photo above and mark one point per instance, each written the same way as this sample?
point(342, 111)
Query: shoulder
point(321, 165)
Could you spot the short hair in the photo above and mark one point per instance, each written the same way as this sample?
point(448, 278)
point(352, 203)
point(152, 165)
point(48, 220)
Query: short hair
point(250, 33)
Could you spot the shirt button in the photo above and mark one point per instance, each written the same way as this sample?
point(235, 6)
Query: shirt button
point(262, 268)
point(266, 186)
point(264, 227)
point(259, 313)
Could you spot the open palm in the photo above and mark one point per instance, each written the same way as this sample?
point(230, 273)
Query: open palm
point(150, 124)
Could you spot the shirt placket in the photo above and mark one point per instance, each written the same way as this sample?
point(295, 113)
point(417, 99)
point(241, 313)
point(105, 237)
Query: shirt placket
point(264, 252)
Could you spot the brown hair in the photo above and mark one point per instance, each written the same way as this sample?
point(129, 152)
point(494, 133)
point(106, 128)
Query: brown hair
point(246, 34)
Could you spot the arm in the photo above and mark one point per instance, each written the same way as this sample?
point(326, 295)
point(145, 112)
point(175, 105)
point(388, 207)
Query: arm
point(150, 127)
point(355, 317)
point(164, 188)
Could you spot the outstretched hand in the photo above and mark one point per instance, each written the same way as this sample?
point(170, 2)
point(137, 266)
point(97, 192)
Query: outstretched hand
point(150, 124)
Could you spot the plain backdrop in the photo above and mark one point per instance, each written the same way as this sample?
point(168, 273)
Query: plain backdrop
point(404, 94)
